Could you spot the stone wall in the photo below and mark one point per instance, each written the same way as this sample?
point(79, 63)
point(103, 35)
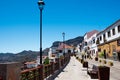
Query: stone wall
point(10, 71)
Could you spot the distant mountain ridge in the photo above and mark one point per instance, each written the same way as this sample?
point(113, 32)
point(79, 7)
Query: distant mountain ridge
point(32, 55)
point(74, 41)
point(19, 57)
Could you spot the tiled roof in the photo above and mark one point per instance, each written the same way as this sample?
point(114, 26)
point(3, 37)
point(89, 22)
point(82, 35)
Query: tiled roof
point(89, 34)
point(33, 62)
point(61, 46)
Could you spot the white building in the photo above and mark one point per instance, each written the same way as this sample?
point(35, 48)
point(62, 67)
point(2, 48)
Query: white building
point(110, 33)
point(31, 64)
point(65, 48)
point(38, 59)
point(52, 54)
point(89, 44)
point(92, 45)
point(109, 40)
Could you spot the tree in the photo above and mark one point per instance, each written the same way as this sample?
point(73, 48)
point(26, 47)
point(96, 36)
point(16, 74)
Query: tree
point(46, 60)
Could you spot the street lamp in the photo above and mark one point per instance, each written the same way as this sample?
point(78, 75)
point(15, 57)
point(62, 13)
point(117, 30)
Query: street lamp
point(41, 5)
point(63, 34)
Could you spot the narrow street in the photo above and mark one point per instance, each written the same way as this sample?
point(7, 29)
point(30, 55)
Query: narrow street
point(74, 71)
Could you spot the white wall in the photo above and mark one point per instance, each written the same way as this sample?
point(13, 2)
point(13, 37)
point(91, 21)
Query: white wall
point(112, 36)
point(31, 65)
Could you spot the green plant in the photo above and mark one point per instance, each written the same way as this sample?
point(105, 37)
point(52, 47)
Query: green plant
point(101, 54)
point(100, 61)
point(61, 57)
point(104, 61)
point(110, 63)
point(46, 61)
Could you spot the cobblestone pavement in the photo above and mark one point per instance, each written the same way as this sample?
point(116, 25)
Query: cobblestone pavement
point(74, 71)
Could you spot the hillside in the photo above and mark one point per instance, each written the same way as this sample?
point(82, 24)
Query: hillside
point(32, 55)
point(74, 41)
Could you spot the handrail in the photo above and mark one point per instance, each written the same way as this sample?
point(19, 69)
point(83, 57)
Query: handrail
point(45, 71)
point(31, 74)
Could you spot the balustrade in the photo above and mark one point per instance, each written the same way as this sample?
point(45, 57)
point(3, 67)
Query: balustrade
point(44, 71)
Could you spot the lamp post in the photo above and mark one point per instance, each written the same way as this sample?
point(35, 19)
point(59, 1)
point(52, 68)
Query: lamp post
point(41, 5)
point(63, 34)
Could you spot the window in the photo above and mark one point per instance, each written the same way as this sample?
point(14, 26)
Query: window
point(109, 34)
point(99, 49)
point(85, 43)
point(119, 28)
point(104, 39)
point(93, 41)
point(104, 36)
point(113, 31)
point(100, 38)
point(97, 41)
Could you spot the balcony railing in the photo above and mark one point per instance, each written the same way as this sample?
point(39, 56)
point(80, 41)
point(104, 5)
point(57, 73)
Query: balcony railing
point(31, 74)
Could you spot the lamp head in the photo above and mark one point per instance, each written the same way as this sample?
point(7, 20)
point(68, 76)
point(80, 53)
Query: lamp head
point(41, 4)
point(63, 34)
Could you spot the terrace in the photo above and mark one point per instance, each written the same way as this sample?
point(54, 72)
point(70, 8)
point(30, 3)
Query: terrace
point(49, 71)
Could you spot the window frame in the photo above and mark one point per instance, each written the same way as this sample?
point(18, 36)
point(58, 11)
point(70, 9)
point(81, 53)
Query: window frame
point(113, 31)
point(109, 35)
point(118, 28)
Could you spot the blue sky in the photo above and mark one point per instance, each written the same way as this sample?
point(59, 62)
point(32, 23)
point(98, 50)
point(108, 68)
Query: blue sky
point(19, 21)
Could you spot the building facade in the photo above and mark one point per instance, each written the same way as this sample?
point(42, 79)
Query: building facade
point(89, 45)
point(109, 41)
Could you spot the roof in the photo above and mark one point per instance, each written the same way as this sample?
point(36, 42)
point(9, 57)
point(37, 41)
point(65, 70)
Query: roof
point(114, 24)
point(61, 46)
point(89, 34)
point(33, 62)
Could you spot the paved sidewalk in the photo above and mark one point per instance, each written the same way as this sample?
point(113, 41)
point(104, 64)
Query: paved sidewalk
point(74, 71)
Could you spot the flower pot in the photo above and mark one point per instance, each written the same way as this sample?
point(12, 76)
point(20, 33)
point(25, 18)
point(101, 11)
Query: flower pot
point(103, 73)
point(85, 64)
point(82, 60)
point(96, 58)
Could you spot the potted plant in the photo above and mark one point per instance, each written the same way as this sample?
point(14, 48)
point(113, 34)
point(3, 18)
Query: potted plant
point(104, 61)
point(103, 72)
point(77, 57)
point(101, 54)
point(82, 60)
point(110, 63)
point(100, 60)
point(96, 58)
point(85, 64)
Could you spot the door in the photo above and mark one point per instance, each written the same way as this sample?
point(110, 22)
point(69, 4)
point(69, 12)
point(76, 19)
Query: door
point(105, 54)
point(119, 56)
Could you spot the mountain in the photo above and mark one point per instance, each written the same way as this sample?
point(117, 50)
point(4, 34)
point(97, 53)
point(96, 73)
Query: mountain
point(22, 56)
point(74, 41)
point(32, 55)
point(19, 57)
